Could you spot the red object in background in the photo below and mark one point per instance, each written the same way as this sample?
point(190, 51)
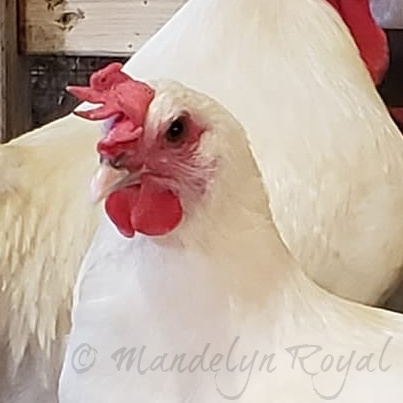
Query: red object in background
point(370, 39)
point(381, 51)
point(391, 88)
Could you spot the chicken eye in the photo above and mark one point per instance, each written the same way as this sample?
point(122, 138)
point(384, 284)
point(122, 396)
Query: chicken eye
point(176, 131)
point(118, 161)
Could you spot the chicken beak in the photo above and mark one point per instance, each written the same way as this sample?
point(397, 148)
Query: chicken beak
point(106, 180)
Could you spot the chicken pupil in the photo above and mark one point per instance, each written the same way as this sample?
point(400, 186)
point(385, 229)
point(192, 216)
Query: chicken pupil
point(175, 131)
point(117, 162)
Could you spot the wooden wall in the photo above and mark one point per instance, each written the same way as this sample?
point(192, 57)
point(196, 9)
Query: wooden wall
point(14, 76)
point(92, 27)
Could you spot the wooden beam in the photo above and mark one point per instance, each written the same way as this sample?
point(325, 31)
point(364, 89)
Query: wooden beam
point(15, 97)
point(92, 27)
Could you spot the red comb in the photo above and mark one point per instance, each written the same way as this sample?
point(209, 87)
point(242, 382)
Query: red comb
point(121, 97)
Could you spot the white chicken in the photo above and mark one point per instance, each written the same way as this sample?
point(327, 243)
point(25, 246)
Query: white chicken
point(205, 303)
point(44, 183)
point(345, 229)
point(331, 156)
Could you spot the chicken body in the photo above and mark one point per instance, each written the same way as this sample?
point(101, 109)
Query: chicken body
point(44, 186)
point(329, 151)
point(220, 290)
point(333, 168)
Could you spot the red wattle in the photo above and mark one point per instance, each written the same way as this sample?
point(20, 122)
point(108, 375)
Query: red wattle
point(118, 206)
point(148, 209)
point(157, 211)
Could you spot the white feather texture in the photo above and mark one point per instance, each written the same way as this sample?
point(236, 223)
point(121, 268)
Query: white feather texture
point(223, 275)
point(329, 153)
point(47, 224)
point(290, 73)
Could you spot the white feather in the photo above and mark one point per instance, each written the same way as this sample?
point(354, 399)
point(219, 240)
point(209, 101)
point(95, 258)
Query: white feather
point(328, 149)
point(47, 224)
point(223, 274)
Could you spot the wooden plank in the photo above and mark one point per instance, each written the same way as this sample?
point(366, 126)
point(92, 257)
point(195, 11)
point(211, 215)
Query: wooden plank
point(15, 110)
point(92, 27)
point(99, 27)
point(3, 93)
